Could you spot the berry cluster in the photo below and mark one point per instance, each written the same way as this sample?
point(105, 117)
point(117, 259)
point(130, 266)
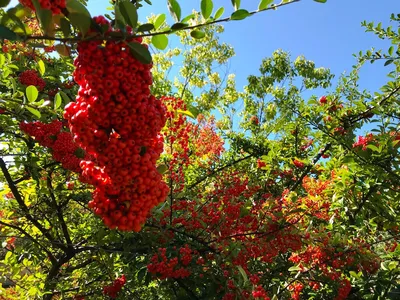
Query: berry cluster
point(164, 267)
point(118, 122)
point(364, 141)
point(113, 290)
point(30, 77)
point(52, 136)
point(55, 6)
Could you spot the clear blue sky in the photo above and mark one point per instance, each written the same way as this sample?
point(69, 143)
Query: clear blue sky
point(326, 33)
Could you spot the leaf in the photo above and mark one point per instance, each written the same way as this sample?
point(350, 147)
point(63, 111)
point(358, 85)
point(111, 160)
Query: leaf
point(34, 112)
point(62, 49)
point(80, 21)
point(57, 101)
point(41, 66)
point(129, 12)
point(390, 51)
point(236, 4)
point(373, 148)
point(264, 4)
point(240, 14)
point(79, 16)
point(4, 3)
point(140, 52)
point(243, 273)
point(197, 34)
point(160, 41)
point(32, 93)
point(219, 13)
point(162, 169)
point(388, 62)
point(178, 26)
point(159, 21)
point(174, 9)
point(45, 17)
point(206, 8)
point(186, 113)
point(145, 27)
point(187, 18)
point(7, 34)
point(65, 27)
point(65, 97)
point(294, 268)
point(320, 1)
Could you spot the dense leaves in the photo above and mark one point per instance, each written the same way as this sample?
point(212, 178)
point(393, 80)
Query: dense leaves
point(290, 196)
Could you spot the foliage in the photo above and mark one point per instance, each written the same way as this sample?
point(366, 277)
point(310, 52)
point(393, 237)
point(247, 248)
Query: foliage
point(283, 200)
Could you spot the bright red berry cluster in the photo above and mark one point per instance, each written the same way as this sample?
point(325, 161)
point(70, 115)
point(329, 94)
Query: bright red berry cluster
point(113, 290)
point(364, 141)
point(51, 135)
point(31, 77)
point(55, 6)
point(118, 122)
point(165, 267)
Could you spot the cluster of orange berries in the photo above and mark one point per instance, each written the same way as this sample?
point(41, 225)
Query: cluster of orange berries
point(118, 122)
point(55, 6)
point(62, 146)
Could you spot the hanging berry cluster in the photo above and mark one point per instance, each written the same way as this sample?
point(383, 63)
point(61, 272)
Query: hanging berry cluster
point(113, 290)
point(30, 77)
point(54, 5)
point(117, 121)
point(62, 146)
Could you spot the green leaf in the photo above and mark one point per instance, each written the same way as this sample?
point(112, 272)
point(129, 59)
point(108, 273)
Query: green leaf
point(206, 8)
point(140, 52)
point(240, 14)
point(65, 97)
point(160, 41)
point(174, 9)
point(34, 112)
point(197, 34)
point(219, 13)
point(243, 273)
point(236, 4)
point(186, 113)
point(390, 51)
point(159, 21)
point(2, 60)
point(7, 34)
point(145, 27)
point(320, 1)
point(294, 268)
point(162, 169)
point(264, 4)
point(32, 93)
point(65, 27)
point(129, 12)
point(79, 16)
point(4, 3)
point(373, 148)
point(178, 26)
point(187, 18)
point(41, 66)
point(57, 101)
point(388, 62)
point(45, 16)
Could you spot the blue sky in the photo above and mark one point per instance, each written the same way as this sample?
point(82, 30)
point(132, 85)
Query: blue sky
point(326, 33)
